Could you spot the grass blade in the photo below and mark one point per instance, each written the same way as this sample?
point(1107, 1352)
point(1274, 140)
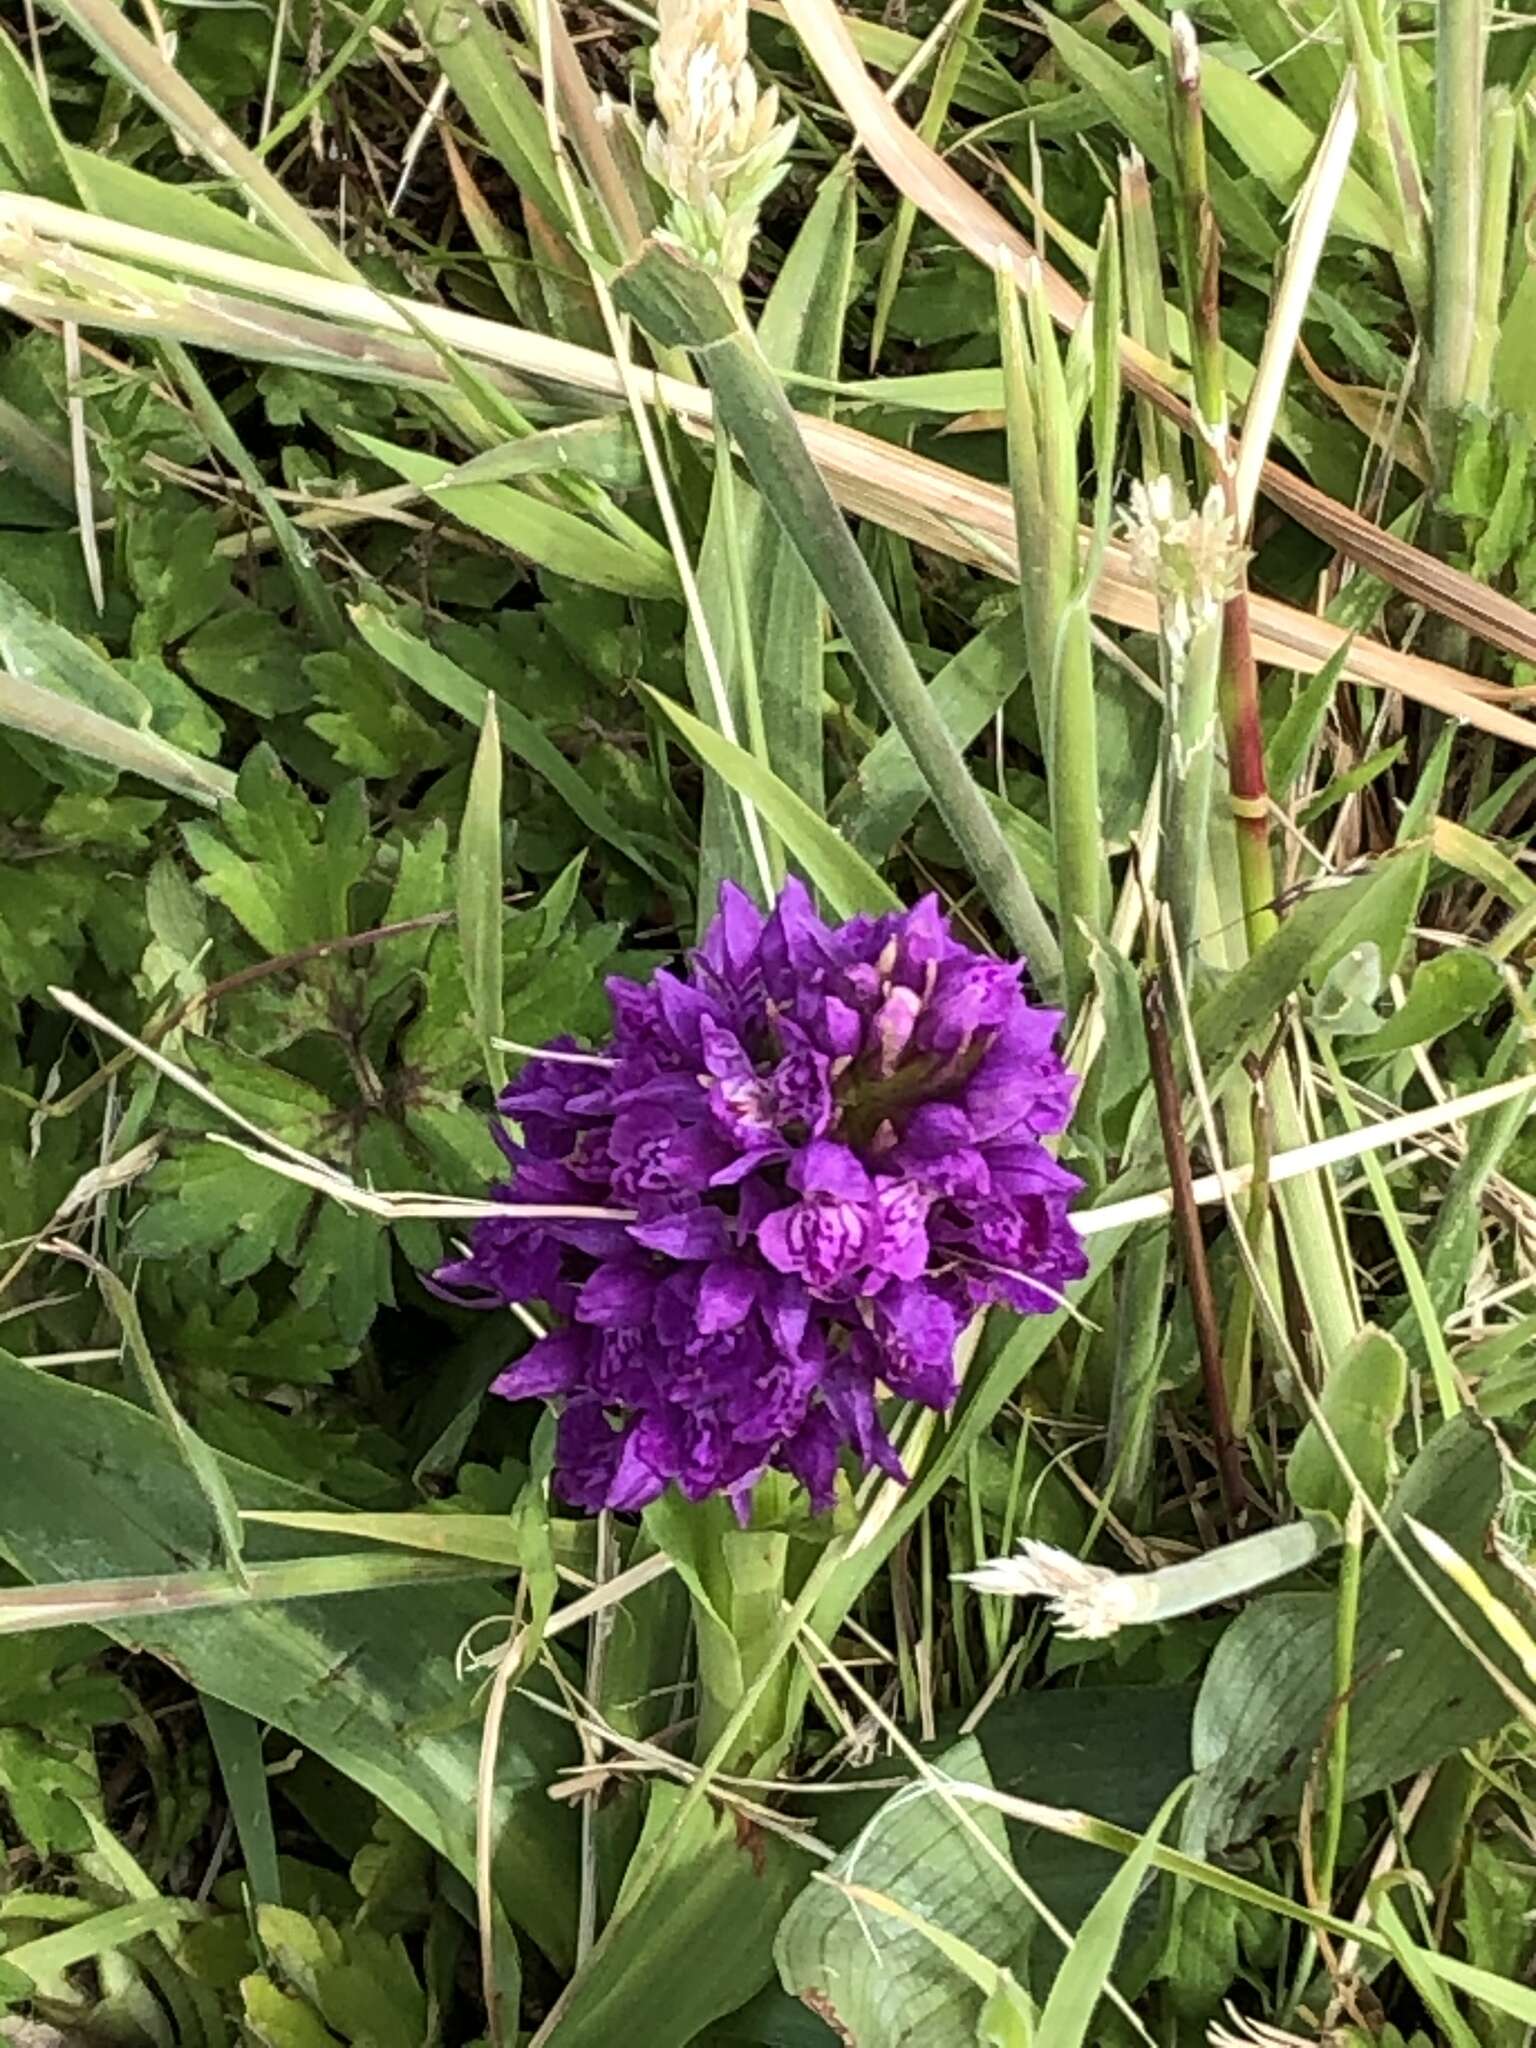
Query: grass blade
point(843, 877)
point(1081, 1980)
point(236, 1738)
point(478, 875)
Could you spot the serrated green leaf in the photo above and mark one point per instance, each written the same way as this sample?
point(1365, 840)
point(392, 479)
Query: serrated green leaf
point(281, 868)
point(250, 658)
point(455, 687)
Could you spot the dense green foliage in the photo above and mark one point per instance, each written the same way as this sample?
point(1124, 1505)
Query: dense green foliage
point(359, 715)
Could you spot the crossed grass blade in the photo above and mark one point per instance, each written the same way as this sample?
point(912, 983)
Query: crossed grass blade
point(927, 501)
point(939, 191)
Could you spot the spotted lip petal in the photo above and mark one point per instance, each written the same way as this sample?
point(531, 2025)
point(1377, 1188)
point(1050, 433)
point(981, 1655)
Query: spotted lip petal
point(830, 1137)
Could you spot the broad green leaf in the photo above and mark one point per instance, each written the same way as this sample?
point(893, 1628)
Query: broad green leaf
point(1268, 1690)
point(1316, 932)
point(478, 873)
point(44, 713)
point(127, 1600)
point(250, 658)
point(1445, 992)
point(606, 450)
point(543, 532)
point(199, 1461)
point(1307, 68)
point(35, 649)
point(29, 138)
point(1297, 732)
point(1007, 2018)
point(91, 1486)
point(47, 1954)
point(1115, 1751)
point(120, 192)
point(1362, 1403)
point(876, 1981)
point(490, 1538)
point(1473, 854)
point(845, 879)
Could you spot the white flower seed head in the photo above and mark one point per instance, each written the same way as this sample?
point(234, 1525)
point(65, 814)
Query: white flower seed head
point(718, 146)
point(1191, 561)
point(1086, 1600)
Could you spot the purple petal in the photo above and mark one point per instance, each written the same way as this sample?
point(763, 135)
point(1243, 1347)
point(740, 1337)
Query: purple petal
point(620, 1291)
point(727, 1295)
point(691, 1234)
point(552, 1366)
point(827, 1168)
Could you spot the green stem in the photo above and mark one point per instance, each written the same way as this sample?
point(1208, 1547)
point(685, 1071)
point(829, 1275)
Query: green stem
point(1256, 1230)
point(1460, 37)
point(1042, 466)
point(1386, 143)
point(1189, 729)
point(1200, 267)
point(1198, 242)
point(1139, 1344)
point(736, 589)
point(1146, 313)
point(1345, 1625)
point(1246, 774)
point(1346, 1619)
point(1501, 128)
point(680, 304)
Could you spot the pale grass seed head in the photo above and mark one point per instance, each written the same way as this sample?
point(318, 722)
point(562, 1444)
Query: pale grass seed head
point(1190, 560)
point(718, 146)
point(1086, 1601)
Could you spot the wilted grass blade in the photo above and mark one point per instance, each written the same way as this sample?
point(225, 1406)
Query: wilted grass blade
point(44, 714)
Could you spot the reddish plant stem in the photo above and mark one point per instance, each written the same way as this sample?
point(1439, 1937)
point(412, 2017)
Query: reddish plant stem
point(1238, 694)
point(1186, 1222)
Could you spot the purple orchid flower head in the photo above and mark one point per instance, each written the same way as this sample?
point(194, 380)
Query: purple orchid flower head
point(822, 1145)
